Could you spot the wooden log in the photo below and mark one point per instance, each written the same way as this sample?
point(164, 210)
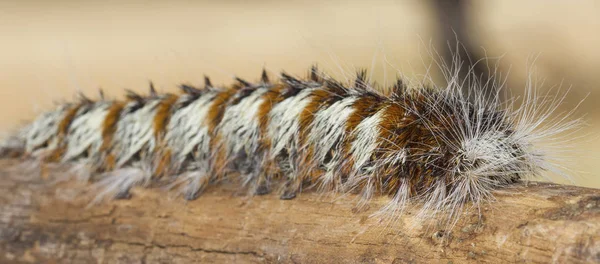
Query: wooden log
point(49, 223)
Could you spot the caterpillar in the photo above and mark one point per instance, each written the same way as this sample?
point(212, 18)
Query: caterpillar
point(415, 143)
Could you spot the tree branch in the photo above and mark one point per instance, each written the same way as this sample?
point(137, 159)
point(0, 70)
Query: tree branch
point(40, 222)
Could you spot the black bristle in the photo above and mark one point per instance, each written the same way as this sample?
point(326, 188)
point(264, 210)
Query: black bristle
point(189, 89)
point(84, 99)
point(334, 84)
point(361, 80)
point(207, 83)
point(243, 93)
point(399, 88)
point(101, 92)
point(242, 82)
point(153, 92)
point(131, 95)
point(314, 74)
point(264, 78)
point(294, 86)
point(291, 81)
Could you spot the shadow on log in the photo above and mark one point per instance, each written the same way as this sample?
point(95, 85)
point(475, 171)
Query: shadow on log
point(44, 223)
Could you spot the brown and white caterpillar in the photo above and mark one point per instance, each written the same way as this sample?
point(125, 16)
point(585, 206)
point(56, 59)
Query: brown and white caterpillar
point(416, 144)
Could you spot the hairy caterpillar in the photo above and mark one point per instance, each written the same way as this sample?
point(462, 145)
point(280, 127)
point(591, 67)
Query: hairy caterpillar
point(415, 143)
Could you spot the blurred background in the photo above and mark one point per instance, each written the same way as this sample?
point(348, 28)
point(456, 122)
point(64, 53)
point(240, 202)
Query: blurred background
point(49, 50)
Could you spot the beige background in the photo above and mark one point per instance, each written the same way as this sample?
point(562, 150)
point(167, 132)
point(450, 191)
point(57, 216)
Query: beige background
point(51, 49)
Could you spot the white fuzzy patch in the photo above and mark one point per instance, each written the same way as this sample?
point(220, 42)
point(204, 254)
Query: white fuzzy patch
point(119, 182)
point(329, 127)
point(85, 131)
point(188, 129)
point(327, 133)
point(240, 125)
point(193, 181)
point(367, 134)
point(284, 126)
point(45, 130)
point(394, 209)
point(135, 132)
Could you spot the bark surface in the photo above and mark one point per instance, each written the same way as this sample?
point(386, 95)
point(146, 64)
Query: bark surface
point(42, 221)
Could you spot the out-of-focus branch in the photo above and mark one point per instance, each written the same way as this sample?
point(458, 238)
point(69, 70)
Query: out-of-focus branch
point(453, 19)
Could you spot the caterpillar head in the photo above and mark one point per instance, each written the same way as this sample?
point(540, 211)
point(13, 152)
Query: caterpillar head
point(488, 152)
point(465, 151)
point(478, 146)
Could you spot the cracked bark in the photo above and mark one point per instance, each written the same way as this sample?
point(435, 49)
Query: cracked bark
point(41, 222)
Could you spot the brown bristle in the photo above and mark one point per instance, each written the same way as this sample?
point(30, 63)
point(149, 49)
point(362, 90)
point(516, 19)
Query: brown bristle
point(213, 118)
point(109, 126)
point(163, 113)
point(110, 162)
point(271, 98)
point(163, 164)
point(215, 114)
point(63, 129)
point(365, 107)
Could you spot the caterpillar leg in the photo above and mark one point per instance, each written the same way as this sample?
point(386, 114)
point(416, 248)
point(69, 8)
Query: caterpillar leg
point(252, 174)
point(288, 194)
point(118, 183)
point(263, 179)
point(193, 181)
point(291, 189)
point(263, 187)
point(123, 195)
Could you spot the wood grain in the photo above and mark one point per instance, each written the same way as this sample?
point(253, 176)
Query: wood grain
point(42, 222)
